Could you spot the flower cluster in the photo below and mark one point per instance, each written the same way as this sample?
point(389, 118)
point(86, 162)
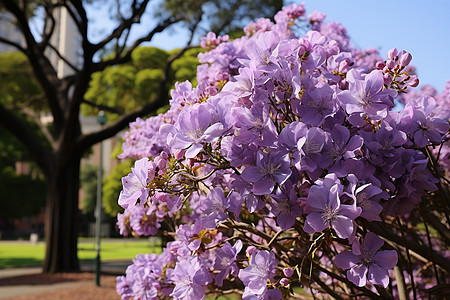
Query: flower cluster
point(285, 155)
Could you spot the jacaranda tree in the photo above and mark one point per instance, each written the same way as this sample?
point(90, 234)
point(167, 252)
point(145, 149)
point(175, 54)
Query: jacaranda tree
point(58, 148)
point(286, 172)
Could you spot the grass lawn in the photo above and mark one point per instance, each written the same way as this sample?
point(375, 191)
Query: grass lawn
point(24, 254)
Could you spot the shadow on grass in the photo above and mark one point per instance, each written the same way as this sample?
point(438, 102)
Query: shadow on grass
point(6, 263)
point(39, 279)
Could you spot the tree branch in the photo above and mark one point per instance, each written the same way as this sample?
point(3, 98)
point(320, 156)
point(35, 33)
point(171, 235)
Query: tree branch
point(127, 55)
point(11, 43)
point(42, 68)
point(103, 107)
point(35, 147)
point(88, 140)
point(47, 34)
point(124, 25)
point(412, 245)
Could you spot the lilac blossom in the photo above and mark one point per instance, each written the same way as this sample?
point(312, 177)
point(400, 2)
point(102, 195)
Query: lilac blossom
point(287, 127)
point(254, 125)
point(419, 120)
point(366, 262)
point(340, 148)
point(317, 105)
point(367, 96)
point(270, 169)
point(262, 267)
point(367, 197)
point(225, 261)
point(289, 137)
point(311, 146)
point(196, 124)
point(325, 210)
point(135, 183)
point(214, 208)
point(190, 278)
point(285, 206)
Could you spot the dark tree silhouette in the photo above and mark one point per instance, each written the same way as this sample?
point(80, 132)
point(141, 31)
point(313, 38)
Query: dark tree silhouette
point(59, 154)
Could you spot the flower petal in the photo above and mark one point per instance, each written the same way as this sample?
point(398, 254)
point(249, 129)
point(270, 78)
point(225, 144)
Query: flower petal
point(346, 260)
point(316, 222)
point(343, 227)
point(378, 275)
point(387, 258)
point(357, 275)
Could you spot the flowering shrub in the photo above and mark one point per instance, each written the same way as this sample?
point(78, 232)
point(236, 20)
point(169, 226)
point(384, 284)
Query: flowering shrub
point(287, 171)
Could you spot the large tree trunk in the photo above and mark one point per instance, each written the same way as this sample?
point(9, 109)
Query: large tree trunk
point(61, 227)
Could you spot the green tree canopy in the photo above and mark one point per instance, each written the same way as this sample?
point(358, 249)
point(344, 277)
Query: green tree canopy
point(129, 86)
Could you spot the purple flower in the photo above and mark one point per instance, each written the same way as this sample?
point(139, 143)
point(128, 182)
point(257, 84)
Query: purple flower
point(285, 206)
point(366, 260)
point(271, 168)
point(419, 120)
point(214, 207)
point(262, 266)
point(135, 183)
point(340, 148)
point(367, 95)
point(311, 146)
point(255, 125)
point(289, 137)
point(317, 105)
point(327, 211)
point(189, 277)
point(367, 197)
point(196, 124)
point(225, 261)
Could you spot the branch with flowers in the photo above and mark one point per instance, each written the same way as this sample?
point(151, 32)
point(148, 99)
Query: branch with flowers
point(286, 173)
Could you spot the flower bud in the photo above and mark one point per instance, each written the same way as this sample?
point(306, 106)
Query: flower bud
point(392, 54)
point(288, 272)
point(405, 59)
point(343, 66)
point(387, 79)
point(390, 64)
point(380, 65)
point(284, 282)
point(250, 250)
point(414, 81)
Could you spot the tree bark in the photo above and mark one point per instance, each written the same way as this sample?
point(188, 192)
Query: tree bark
point(61, 224)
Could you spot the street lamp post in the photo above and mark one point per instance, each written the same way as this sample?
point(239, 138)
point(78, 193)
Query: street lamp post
point(101, 119)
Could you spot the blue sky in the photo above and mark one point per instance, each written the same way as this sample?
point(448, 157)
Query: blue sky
point(420, 27)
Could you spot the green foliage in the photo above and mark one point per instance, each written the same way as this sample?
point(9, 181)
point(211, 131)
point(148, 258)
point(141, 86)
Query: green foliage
point(221, 16)
point(21, 195)
point(17, 84)
point(185, 68)
point(15, 200)
point(149, 58)
point(88, 180)
point(127, 87)
point(112, 185)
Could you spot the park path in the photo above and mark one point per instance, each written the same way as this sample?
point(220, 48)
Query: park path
point(31, 284)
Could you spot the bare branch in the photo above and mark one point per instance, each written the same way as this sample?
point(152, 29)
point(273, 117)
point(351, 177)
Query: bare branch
point(42, 68)
point(127, 55)
point(162, 99)
point(79, 17)
point(124, 25)
point(11, 43)
point(35, 147)
point(37, 120)
point(103, 107)
point(65, 60)
point(47, 31)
